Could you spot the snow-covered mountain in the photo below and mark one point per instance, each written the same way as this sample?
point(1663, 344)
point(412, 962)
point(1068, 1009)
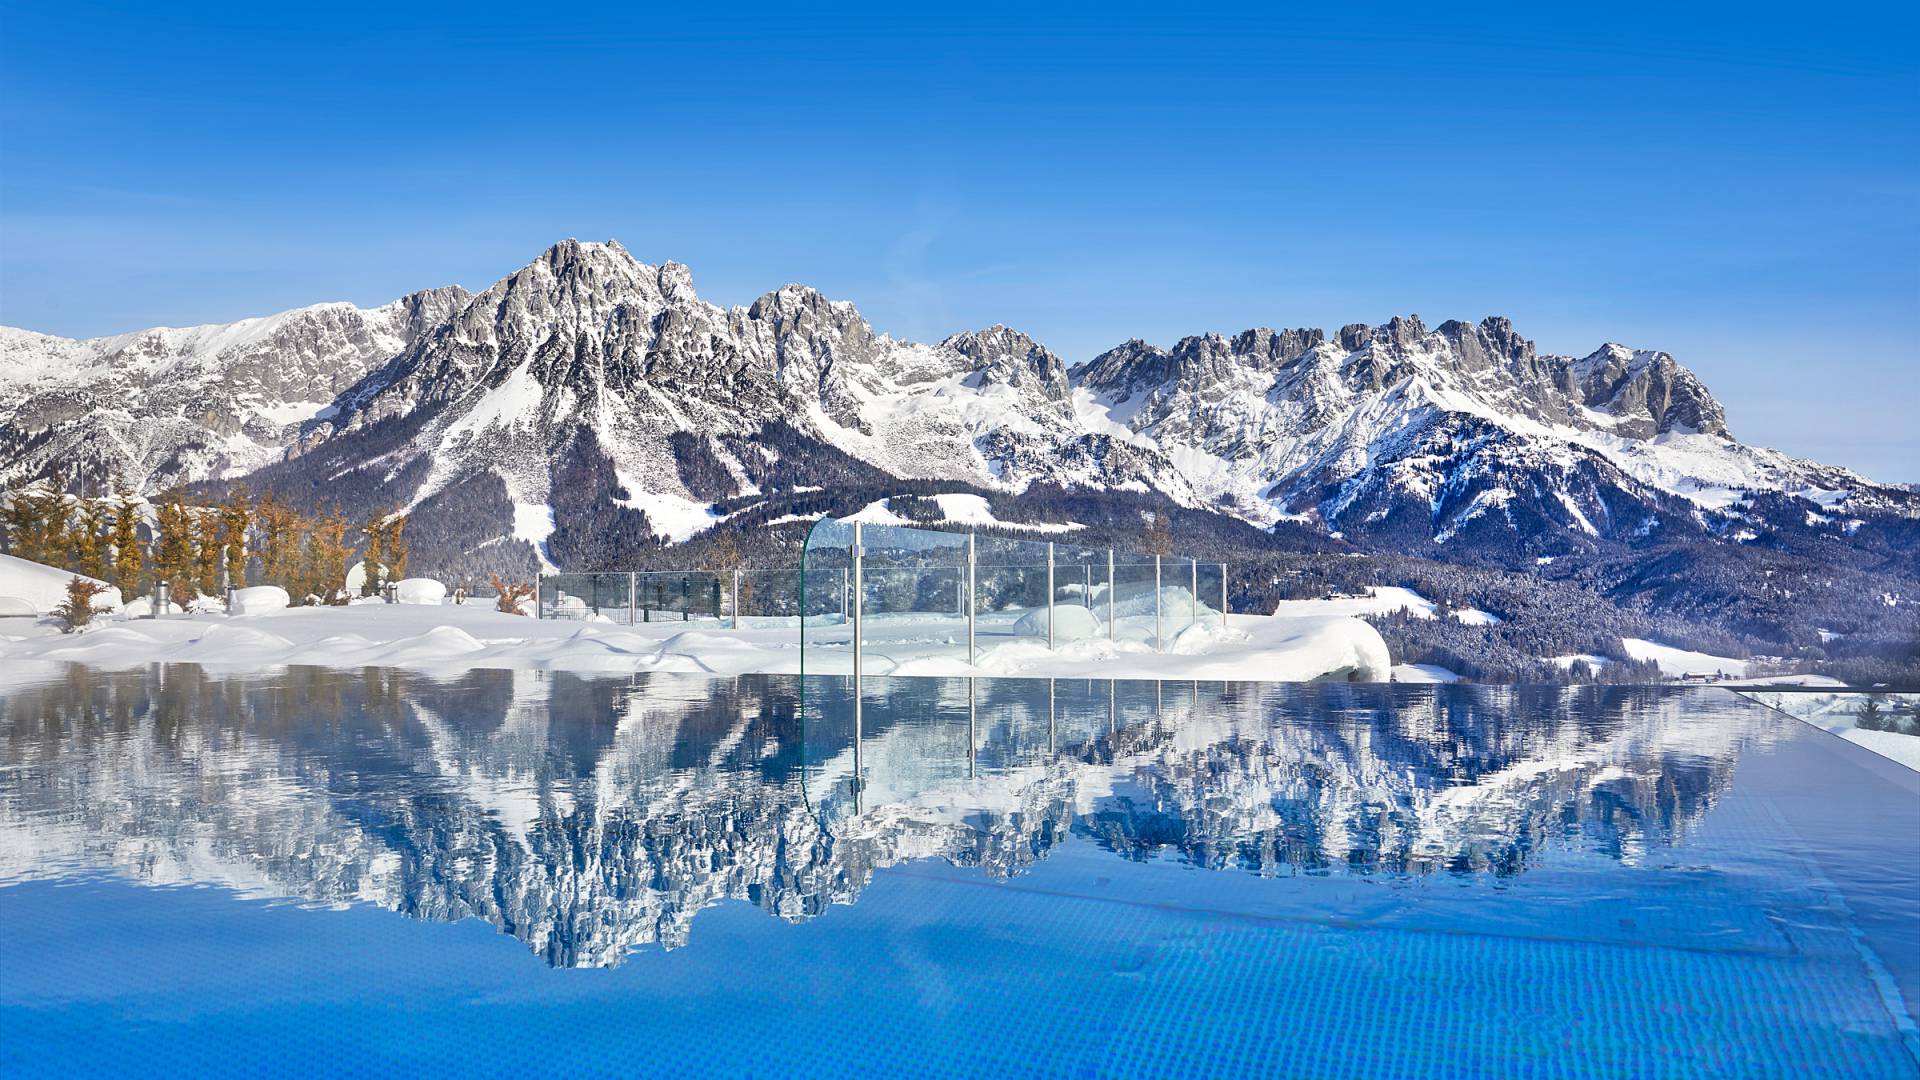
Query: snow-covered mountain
point(1398, 429)
point(656, 401)
point(587, 339)
point(166, 405)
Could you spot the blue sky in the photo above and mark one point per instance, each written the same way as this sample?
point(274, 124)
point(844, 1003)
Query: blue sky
point(1738, 186)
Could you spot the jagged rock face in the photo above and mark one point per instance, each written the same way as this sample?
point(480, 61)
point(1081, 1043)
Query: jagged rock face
point(1005, 357)
point(586, 337)
point(1403, 432)
point(164, 405)
point(1648, 392)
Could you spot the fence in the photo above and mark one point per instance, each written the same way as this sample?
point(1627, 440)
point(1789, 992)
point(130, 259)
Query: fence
point(906, 593)
point(731, 598)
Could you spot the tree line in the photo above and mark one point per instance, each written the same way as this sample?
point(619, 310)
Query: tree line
point(199, 548)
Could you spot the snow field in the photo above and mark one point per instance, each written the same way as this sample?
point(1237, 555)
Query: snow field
point(31, 588)
point(474, 635)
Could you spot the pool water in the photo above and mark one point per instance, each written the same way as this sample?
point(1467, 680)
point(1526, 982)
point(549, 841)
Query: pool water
point(503, 873)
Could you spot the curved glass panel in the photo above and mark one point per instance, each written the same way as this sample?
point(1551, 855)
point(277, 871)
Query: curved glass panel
point(931, 599)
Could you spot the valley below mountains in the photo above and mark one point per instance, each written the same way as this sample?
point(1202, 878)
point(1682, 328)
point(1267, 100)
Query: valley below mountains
point(591, 411)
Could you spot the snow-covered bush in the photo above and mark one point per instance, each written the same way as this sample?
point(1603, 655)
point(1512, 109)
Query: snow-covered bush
point(260, 598)
point(419, 590)
point(78, 609)
point(1070, 622)
point(205, 605)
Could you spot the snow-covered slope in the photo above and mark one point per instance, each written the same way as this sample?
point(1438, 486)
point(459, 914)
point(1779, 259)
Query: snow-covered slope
point(587, 339)
point(1398, 429)
point(157, 406)
point(25, 584)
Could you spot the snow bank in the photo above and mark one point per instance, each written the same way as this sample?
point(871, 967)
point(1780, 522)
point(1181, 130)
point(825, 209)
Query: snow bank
point(962, 509)
point(476, 636)
point(1070, 621)
point(1424, 673)
point(1674, 662)
point(1176, 603)
point(1383, 600)
point(25, 584)
point(259, 599)
point(419, 590)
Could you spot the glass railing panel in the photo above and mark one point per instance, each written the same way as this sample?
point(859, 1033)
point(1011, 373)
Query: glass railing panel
point(566, 596)
point(916, 595)
point(767, 599)
point(1080, 582)
point(1211, 593)
point(1138, 613)
point(1011, 604)
point(677, 596)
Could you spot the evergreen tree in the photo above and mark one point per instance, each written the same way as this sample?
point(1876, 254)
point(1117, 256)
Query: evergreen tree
point(325, 572)
point(36, 522)
point(395, 546)
point(16, 521)
point(235, 517)
point(89, 542)
point(173, 555)
point(280, 560)
point(209, 550)
point(375, 532)
point(1870, 716)
point(129, 559)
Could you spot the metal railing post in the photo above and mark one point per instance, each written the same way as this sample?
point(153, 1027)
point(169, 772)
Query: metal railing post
point(1223, 596)
point(633, 599)
point(1158, 644)
point(973, 742)
point(1109, 594)
point(855, 555)
point(973, 598)
point(539, 606)
point(858, 780)
point(1193, 594)
point(1049, 598)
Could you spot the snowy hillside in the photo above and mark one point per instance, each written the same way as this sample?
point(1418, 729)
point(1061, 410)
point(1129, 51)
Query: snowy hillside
point(166, 405)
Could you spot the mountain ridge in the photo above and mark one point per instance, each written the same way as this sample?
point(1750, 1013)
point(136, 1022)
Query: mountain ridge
point(1395, 435)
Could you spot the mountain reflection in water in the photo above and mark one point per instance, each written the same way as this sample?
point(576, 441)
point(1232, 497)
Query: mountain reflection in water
point(587, 815)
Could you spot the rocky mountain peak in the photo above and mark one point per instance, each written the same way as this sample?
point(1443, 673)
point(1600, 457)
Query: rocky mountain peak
point(1005, 356)
point(1648, 390)
point(1130, 366)
point(416, 313)
point(1274, 349)
point(1405, 331)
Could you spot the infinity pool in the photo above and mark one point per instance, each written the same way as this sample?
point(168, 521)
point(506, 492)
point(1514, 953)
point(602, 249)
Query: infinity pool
point(507, 874)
